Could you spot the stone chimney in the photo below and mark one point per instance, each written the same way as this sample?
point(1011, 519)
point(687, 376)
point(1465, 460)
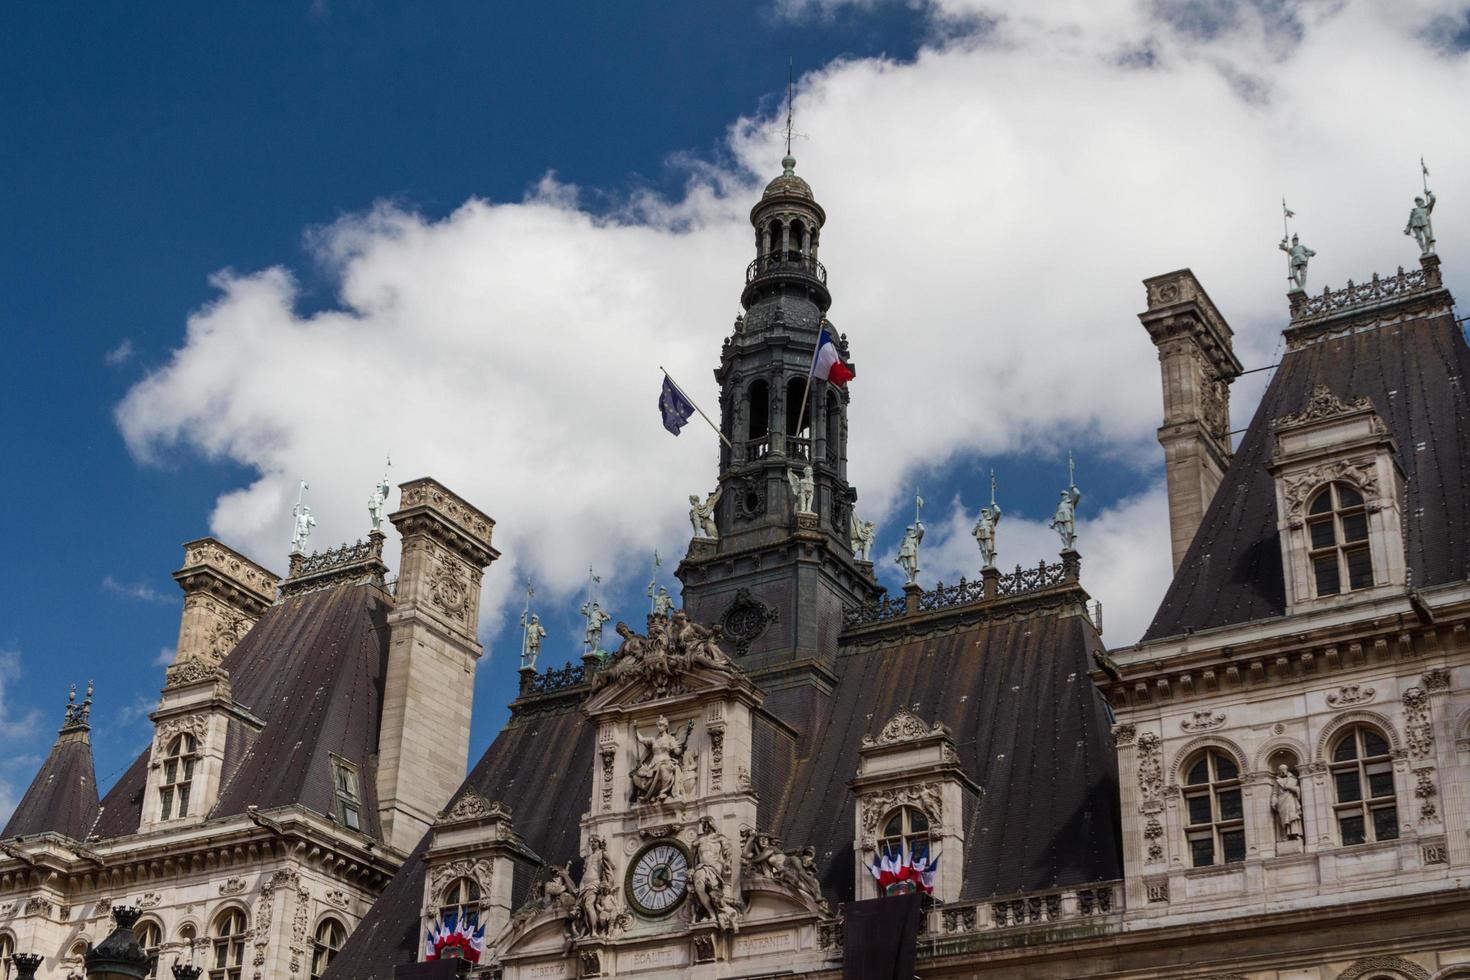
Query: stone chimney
point(1197, 364)
point(423, 744)
point(225, 593)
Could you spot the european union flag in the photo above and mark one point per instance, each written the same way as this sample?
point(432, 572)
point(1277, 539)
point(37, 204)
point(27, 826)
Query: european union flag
point(675, 407)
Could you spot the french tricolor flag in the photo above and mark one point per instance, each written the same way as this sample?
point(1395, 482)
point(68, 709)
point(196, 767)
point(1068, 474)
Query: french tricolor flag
point(827, 365)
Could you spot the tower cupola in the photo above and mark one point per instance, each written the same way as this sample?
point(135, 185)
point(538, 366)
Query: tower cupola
point(788, 230)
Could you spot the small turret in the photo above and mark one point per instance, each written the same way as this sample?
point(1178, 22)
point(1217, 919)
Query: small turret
point(62, 798)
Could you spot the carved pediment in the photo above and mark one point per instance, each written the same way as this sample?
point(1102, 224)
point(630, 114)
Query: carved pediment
point(1324, 405)
point(675, 656)
point(905, 726)
point(473, 806)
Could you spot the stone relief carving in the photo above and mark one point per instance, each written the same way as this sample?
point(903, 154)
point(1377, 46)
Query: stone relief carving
point(448, 589)
point(1367, 967)
point(190, 671)
point(225, 635)
point(472, 806)
point(337, 897)
point(1437, 679)
point(664, 658)
point(746, 620)
point(1124, 734)
point(1150, 769)
point(717, 759)
point(298, 927)
point(196, 725)
point(667, 769)
point(1153, 833)
point(904, 726)
point(609, 755)
point(762, 856)
point(1203, 721)
point(713, 878)
point(1359, 473)
point(37, 906)
point(596, 912)
point(1425, 791)
point(1323, 404)
point(478, 870)
point(1158, 890)
point(1418, 732)
point(1350, 694)
point(876, 806)
point(232, 886)
point(265, 911)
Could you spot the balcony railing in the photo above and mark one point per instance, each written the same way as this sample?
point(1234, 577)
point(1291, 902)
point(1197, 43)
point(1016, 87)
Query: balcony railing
point(1089, 902)
point(788, 262)
point(792, 447)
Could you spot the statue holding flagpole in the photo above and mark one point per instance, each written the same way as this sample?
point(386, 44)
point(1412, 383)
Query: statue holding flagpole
point(985, 527)
point(1064, 522)
point(908, 551)
point(661, 603)
point(302, 521)
point(596, 618)
point(533, 634)
point(1297, 254)
point(1419, 226)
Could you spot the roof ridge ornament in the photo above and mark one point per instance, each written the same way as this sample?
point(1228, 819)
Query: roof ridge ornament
point(77, 715)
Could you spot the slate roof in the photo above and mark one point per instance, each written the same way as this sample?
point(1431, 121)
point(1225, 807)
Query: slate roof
point(62, 799)
point(311, 669)
point(1028, 725)
point(1416, 372)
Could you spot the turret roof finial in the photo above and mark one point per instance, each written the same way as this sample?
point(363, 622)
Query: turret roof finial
point(77, 715)
point(788, 163)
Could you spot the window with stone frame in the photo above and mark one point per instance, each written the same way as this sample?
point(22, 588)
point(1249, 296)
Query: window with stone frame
point(460, 898)
point(150, 937)
point(178, 777)
point(349, 802)
point(227, 952)
point(1214, 816)
point(1337, 532)
point(906, 831)
point(7, 950)
point(1363, 800)
point(326, 944)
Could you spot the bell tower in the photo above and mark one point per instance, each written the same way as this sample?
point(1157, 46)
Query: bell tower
point(777, 577)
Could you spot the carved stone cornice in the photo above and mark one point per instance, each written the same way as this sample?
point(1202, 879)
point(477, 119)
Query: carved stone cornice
point(472, 806)
point(428, 507)
point(348, 564)
point(210, 566)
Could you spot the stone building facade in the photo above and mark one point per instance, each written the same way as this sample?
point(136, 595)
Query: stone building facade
point(290, 769)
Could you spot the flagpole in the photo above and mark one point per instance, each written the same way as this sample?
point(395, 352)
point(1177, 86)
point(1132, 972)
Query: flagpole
point(807, 391)
point(696, 407)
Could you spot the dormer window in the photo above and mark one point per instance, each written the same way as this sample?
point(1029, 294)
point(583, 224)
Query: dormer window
point(461, 899)
point(349, 803)
point(1337, 527)
point(178, 776)
point(906, 832)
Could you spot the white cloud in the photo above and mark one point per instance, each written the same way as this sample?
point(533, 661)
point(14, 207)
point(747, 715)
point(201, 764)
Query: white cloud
point(12, 725)
point(165, 657)
point(120, 354)
point(993, 206)
point(142, 591)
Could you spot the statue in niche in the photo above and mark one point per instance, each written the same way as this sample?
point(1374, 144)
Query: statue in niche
point(713, 877)
point(661, 773)
point(1419, 226)
point(860, 536)
point(803, 489)
point(908, 552)
point(702, 516)
point(1064, 521)
point(1297, 257)
point(595, 909)
point(1286, 803)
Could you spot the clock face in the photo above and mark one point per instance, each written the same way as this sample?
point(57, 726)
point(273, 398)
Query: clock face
point(658, 878)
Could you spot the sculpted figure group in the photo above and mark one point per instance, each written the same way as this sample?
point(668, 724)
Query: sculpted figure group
point(762, 857)
point(673, 646)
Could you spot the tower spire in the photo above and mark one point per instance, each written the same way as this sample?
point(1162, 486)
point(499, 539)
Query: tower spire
point(790, 92)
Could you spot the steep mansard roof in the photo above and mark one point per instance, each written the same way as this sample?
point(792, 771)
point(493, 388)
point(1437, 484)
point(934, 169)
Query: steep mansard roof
point(1416, 372)
point(311, 669)
point(1027, 723)
point(62, 799)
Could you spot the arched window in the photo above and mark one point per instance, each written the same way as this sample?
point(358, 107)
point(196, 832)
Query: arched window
point(1362, 787)
point(228, 955)
point(759, 400)
point(775, 245)
point(178, 776)
point(7, 950)
point(795, 388)
point(461, 897)
point(1214, 821)
point(906, 831)
point(150, 937)
point(330, 935)
point(1337, 527)
point(798, 236)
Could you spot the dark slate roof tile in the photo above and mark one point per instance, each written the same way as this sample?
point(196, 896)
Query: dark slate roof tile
point(62, 799)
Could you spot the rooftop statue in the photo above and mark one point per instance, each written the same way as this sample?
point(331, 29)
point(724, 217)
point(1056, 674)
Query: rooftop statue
point(663, 603)
point(908, 552)
point(985, 527)
point(1297, 257)
point(702, 516)
point(302, 521)
point(378, 502)
point(592, 636)
point(1064, 522)
point(861, 535)
point(1419, 226)
point(531, 642)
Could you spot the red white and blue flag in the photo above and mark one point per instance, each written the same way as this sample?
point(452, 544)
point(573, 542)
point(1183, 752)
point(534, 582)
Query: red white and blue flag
point(904, 873)
point(827, 365)
point(455, 937)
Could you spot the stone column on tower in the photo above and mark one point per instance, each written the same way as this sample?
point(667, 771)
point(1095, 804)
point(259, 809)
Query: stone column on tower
point(423, 744)
point(225, 593)
point(1197, 363)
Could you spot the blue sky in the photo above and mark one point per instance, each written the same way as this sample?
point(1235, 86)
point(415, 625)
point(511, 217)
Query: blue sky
point(195, 195)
